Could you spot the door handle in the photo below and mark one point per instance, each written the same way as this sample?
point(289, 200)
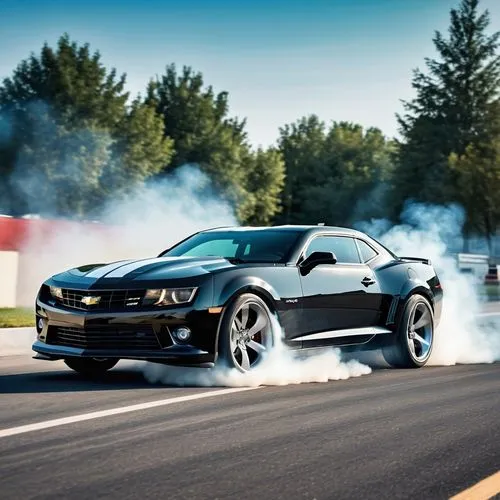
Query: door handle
point(368, 281)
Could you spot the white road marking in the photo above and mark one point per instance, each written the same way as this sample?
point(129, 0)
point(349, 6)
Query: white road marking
point(117, 411)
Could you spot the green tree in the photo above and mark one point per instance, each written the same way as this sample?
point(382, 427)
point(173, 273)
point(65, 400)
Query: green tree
point(141, 147)
point(478, 183)
point(72, 134)
point(264, 183)
point(333, 175)
point(302, 145)
point(452, 110)
point(197, 119)
point(357, 162)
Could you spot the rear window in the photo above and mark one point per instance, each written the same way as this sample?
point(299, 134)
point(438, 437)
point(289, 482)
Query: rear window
point(366, 251)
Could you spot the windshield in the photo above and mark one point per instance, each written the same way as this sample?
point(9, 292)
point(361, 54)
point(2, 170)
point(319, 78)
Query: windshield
point(238, 246)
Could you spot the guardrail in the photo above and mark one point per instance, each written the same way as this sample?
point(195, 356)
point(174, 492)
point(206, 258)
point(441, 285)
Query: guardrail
point(475, 264)
point(481, 266)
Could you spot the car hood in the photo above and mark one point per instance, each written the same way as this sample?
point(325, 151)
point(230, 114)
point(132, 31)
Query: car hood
point(137, 273)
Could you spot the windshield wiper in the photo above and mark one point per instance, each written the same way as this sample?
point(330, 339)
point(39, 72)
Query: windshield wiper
point(237, 260)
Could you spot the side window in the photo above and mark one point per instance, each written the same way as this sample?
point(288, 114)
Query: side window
point(343, 247)
point(367, 252)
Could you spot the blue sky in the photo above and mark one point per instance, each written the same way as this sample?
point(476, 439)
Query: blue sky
point(279, 60)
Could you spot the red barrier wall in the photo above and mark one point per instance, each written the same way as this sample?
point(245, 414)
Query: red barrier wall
point(14, 233)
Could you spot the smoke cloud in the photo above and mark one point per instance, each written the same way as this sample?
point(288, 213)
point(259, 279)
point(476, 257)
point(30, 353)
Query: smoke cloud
point(428, 231)
point(280, 367)
point(142, 225)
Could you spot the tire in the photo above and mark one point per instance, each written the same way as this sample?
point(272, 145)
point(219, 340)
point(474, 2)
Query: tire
point(412, 347)
point(91, 367)
point(246, 333)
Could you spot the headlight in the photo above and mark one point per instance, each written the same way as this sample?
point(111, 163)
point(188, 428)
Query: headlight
point(169, 296)
point(56, 292)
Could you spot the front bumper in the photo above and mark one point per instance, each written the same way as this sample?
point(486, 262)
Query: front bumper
point(139, 335)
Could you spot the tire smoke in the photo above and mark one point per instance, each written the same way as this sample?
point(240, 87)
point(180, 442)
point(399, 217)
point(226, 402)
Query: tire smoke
point(428, 231)
point(279, 367)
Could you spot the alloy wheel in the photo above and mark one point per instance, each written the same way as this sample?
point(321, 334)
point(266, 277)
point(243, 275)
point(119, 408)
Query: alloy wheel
point(251, 335)
point(420, 331)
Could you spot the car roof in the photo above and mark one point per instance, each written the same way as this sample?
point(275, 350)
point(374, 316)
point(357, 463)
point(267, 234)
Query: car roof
point(292, 227)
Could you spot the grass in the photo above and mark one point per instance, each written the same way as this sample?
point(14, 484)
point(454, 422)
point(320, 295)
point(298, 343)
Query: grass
point(12, 318)
point(490, 291)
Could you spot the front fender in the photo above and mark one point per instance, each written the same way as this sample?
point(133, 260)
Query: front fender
point(278, 286)
point(243, 284)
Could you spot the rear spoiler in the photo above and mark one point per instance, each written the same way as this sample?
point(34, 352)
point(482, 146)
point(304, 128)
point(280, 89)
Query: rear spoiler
point(416, 259)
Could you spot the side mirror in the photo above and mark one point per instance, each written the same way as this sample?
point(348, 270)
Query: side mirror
point(315, 259)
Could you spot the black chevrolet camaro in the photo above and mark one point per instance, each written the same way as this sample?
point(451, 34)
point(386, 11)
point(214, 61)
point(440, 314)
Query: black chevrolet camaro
point(216, 297)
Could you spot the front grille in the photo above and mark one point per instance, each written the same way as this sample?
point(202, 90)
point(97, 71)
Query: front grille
point(108, 299)
point(116, 337)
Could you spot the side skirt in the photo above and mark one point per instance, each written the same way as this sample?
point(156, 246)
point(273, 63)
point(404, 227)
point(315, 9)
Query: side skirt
point(353, 336)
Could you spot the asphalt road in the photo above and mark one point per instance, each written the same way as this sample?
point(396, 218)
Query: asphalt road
point(425, 433)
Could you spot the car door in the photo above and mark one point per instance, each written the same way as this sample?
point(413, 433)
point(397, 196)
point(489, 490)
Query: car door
point(338, 296)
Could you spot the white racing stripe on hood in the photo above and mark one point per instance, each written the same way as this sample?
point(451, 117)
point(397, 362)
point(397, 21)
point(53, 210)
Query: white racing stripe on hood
point(123, 270)
point(101, 271)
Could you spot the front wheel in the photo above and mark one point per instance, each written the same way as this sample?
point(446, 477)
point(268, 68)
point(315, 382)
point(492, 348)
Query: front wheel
point(246, 333)
point(91, 367)
point(415, 335)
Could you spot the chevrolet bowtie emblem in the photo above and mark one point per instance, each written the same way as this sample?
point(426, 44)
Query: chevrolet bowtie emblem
point(90, 301)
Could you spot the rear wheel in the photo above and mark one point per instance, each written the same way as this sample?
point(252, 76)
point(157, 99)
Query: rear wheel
point(246, 333)
point(91, 367)
point(415, 335)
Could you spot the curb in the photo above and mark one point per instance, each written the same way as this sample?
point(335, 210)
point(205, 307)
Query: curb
point(16, 341)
